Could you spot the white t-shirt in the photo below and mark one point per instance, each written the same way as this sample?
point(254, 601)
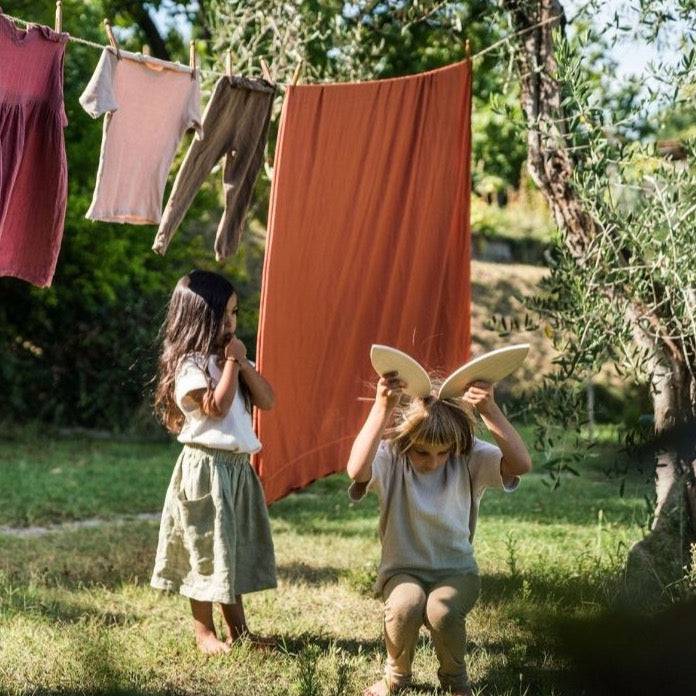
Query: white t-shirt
point(234, 431)
point(424, 517)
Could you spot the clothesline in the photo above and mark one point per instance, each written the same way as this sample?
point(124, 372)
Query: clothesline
point(146, 115)
point(215, 73)
point(236, 102)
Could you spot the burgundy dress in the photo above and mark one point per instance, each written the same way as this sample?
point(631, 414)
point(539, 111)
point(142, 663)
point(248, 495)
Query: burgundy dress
point(33, 168)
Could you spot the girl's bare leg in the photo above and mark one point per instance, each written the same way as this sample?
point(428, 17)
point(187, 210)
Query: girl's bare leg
point(235, 622)
point(204, 629)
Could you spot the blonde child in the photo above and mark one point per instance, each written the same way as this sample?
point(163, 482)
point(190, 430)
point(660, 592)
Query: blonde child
point(215, 540)
point(429, 472)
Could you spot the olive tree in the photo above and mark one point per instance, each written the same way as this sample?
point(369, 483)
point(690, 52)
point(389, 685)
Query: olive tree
point(623, 273)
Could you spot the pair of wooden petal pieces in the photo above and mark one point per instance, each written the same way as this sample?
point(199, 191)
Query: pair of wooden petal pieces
point(490, 367)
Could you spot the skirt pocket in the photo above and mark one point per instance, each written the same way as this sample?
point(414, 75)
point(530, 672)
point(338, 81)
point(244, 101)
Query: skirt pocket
point(198, 521)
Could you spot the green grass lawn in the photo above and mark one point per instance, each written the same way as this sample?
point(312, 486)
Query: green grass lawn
point(77, 615)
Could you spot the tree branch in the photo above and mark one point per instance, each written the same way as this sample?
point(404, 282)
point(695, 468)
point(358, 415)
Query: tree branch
point(141, 16)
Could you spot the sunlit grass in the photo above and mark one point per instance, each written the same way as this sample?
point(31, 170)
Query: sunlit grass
point(78, 617)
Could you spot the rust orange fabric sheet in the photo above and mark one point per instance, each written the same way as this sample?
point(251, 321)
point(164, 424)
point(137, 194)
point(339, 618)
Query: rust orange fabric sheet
point(368, 242)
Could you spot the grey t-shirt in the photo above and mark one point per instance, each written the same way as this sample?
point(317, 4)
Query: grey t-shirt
point(424, 517)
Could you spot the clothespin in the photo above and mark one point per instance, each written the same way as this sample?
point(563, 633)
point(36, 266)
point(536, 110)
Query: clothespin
point(59, 16)
point(296, 74)
point(112, 38)
point(467, 49)
point(265, 71)
point(228, 62)
point(192, 57)
point(146, 50)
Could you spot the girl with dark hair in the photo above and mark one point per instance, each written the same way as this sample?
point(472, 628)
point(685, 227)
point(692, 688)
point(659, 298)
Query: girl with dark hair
point(215, 540)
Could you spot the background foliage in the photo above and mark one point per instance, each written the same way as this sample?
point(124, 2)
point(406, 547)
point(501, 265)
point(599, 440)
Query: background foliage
point(82, 352)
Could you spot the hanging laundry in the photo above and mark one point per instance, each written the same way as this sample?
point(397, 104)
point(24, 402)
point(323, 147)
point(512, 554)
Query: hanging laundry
point(368, 242)
point(33, 168)
point(235, 124)
point(149, 105)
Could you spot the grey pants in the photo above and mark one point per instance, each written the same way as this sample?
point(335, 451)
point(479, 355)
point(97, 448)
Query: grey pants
point(442, 606)
point(235, 124)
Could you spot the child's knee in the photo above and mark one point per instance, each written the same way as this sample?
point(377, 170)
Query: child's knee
point(449, 604)
point(405, 605)
point(444, 617)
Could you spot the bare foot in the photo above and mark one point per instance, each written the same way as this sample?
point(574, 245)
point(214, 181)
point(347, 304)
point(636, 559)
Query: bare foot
point(209, 644)
point(381, 688)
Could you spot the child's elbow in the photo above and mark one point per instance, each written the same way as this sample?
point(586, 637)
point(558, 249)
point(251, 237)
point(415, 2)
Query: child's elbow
point(516, 467)
point(525, 465)
point(353, 470)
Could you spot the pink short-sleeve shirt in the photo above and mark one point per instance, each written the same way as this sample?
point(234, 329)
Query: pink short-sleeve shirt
point(149, 105)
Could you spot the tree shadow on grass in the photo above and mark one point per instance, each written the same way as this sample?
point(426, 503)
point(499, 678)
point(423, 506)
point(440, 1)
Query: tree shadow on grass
point(531, 678)
point(63, 611)
point(104, 674)
point(567, 589)
point(632, 654)
point(579, 643)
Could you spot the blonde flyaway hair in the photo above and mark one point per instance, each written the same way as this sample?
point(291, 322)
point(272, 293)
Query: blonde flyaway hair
point(429, 420)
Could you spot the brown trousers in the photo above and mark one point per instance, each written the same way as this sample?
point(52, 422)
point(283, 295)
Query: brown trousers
point(235, 124)
point(442, 606)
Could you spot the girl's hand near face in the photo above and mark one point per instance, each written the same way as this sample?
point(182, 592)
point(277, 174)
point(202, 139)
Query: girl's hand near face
point(236, 350)
point(481, 396)
point(389, 390)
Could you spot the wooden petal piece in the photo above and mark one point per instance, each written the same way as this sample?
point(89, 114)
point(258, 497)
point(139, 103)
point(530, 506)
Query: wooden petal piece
point(386, 359)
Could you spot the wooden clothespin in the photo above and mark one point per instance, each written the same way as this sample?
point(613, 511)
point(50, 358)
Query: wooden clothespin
point(59, 16)
point(296, 74)
point(265, 71)
point(112, 38)
point(228, 62)
point(146, 50)
point(467, 49)
point(192, 56)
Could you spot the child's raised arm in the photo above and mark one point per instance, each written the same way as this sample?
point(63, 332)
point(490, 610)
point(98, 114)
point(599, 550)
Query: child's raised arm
point(365, 446)
point(516, 460)
point(217, 402)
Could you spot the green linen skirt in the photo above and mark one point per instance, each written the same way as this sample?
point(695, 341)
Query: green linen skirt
point(215, 536)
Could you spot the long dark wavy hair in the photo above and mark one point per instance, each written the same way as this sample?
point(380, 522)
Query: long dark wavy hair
point(195, 316)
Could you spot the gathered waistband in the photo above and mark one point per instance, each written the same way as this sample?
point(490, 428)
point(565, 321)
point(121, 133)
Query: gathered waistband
point(218, 455)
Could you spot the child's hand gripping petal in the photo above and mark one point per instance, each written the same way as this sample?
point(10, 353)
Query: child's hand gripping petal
point(389, 390)
point(481, 396)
